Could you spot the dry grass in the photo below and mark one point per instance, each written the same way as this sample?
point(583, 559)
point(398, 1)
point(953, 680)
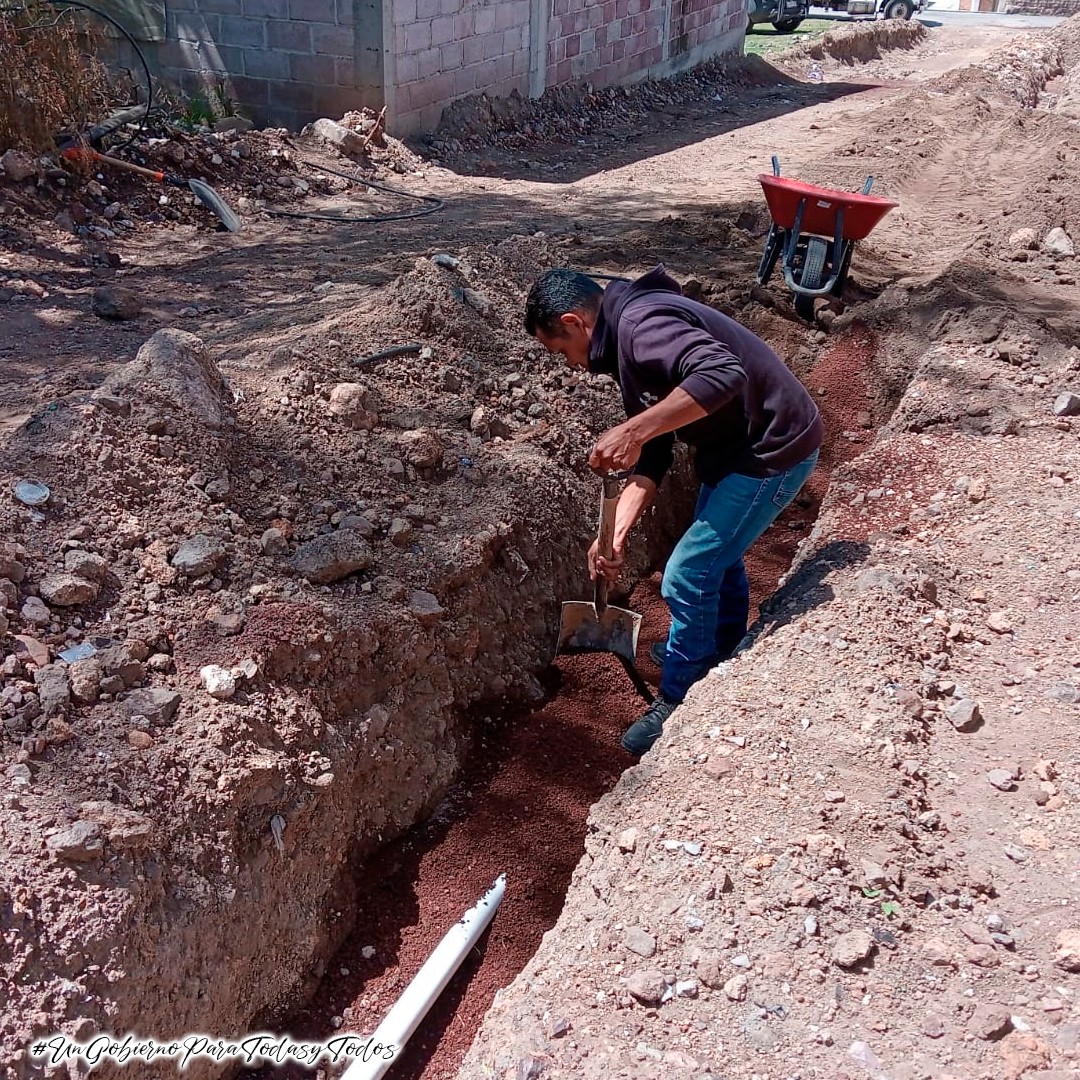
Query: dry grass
point(51, 78)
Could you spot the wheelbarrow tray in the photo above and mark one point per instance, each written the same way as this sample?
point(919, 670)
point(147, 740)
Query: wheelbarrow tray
point(861, 212)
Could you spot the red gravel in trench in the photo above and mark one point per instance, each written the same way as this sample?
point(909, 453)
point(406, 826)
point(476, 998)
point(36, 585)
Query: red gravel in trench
point(521, 804)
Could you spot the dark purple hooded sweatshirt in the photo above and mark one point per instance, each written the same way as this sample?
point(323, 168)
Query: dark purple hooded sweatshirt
point(651, 339)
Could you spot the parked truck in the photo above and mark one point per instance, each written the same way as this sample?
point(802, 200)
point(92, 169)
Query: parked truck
point(786, 15)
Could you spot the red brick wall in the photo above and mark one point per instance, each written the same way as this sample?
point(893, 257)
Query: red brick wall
point(446, 49)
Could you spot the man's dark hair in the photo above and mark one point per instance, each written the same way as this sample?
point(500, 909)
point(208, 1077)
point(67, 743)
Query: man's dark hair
point(557, 293)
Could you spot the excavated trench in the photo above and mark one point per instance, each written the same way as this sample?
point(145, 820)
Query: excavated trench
point(521, 802)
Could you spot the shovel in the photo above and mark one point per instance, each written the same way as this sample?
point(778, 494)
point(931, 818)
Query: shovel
point(596, 626)
point(203, 191)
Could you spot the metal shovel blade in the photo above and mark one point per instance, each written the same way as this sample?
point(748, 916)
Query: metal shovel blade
point(614, 630)
point(213, 201)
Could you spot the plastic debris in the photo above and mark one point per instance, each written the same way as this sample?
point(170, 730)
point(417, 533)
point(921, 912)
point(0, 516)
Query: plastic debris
point(32, 493)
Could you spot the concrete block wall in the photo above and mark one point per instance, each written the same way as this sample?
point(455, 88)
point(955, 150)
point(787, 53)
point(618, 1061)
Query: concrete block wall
point(289, 61)
point(1062, 8)
point(285, 61)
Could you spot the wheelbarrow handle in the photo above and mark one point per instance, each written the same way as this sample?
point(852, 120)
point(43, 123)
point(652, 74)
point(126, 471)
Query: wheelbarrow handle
point(605, 537)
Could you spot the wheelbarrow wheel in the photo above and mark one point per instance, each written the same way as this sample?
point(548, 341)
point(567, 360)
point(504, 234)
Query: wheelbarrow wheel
point(813, 268)
point(773, 243)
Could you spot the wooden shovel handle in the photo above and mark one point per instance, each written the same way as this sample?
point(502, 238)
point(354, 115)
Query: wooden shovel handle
point(84, 153)
point(609, 501)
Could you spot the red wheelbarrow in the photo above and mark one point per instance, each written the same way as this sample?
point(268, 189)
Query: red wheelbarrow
point(814, 231)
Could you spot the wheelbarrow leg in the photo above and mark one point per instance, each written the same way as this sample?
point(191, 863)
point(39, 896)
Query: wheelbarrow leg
point(773, 243)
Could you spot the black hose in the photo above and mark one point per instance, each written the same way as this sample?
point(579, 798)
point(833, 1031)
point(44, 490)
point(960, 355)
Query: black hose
point(433, 204)
point(131, 41)
point(386, 354)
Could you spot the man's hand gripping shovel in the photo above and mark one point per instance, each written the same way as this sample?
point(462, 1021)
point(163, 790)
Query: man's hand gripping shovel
point(597, 626)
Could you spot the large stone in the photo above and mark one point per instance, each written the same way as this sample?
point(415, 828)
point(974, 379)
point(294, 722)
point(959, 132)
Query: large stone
point(80, 842)
point(638, 941)
point(852, 948)
point(53, 689)
point(332, 557)
point(157, 704)
point(338, 136)
point(126, 828)
point(348, 402)
point(964, 715)
point(1058, 242)
point(1067, 404)
point(218, 682)
point(425, 607)
point(423, 449)
point(85, 564)
point(113, 302)
point(1026, 239)
point(199, 556)
point(67, 590)
point(1067, 950)
point(990, 1022)
point(175, 366)
point(17, 166)
point(85, 679)
point(647, 986)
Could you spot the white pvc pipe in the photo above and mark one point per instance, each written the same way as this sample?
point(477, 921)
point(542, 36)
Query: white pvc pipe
point(430, 981)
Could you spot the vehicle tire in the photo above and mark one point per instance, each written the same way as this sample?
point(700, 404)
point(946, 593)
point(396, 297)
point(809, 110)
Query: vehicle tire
point(898, 9)
point(786, 26)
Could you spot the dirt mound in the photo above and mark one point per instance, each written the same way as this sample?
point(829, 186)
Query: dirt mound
point(576, 109)
point(857, 44)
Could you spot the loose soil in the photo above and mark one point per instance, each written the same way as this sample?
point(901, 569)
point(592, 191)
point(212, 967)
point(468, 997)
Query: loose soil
point(856, 870)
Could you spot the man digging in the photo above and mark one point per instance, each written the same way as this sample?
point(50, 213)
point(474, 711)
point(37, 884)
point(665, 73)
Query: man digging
point(685, 370)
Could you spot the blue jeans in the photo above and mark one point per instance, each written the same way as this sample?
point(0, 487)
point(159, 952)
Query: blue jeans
point(705, 582)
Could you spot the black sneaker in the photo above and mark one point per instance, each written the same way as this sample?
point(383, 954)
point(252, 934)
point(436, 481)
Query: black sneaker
point(658, 653)
point(644, 732)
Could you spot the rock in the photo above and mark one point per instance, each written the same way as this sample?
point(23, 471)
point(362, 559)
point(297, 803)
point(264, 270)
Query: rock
point(273, 542)
point(338, 136)
point(218, 489)
point(978, 489)
point(984, 956)
point(835, 796)
point(1067, 404)
point(218, 682)
point(998, 621)
point(425, 607)
point(637, 941)
point(485, 424)
point(628, 840)
point(1024, 238)
point(736, 987)
point(85, 679)
point(118, 661)
point(157, 704)
point(1017, 853)
point(647, 986)
point(933, 1026)
point(35, 612)
point(1023, 1053)
point(58, 732)
point(1067, 950)
point(86, 565)
point(686, 988)
point(332, 557)
point(227, 622)
point(964, 715)
point(852, 948)
point(30, 649)
point(114, 302)
point(348, 402)
point(937, 953)
point(976, 934)
point(989, 1022)
point(1002, 779)
point(423, 449)
point(53, 689)
point(140, 740)
point(198, 556)
point(240, 124)
point(126, 829)
point(80, 842)
point(400, 532)
point(66, 590)
point(17, 166)
point(1057, 242)
point(873, 873)
point(174, 367)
